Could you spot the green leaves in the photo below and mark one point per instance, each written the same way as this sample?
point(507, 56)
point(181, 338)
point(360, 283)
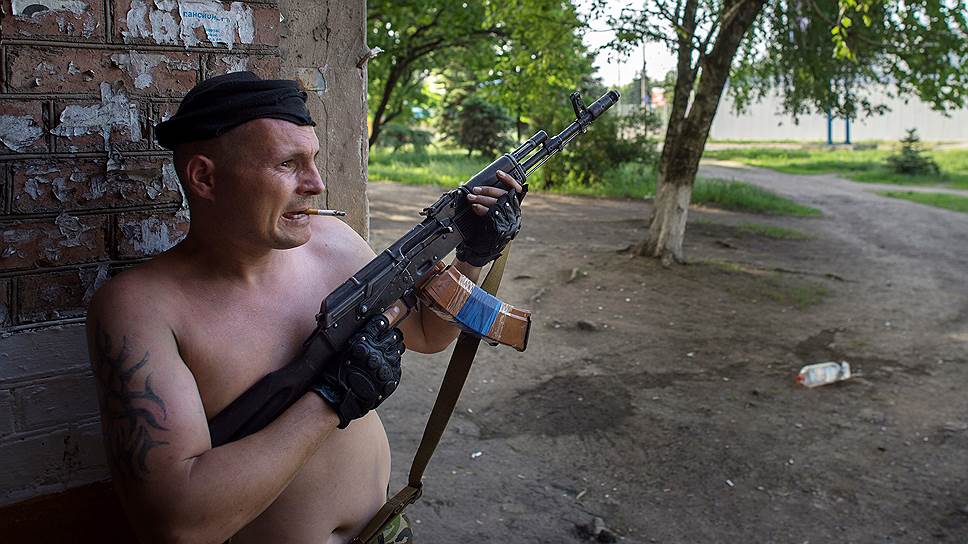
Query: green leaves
point(514, 53)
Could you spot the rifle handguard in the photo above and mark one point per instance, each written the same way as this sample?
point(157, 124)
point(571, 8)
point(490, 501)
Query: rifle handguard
point(455, 298)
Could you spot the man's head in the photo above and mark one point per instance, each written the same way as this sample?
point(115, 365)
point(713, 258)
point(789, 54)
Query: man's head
point(244, 152)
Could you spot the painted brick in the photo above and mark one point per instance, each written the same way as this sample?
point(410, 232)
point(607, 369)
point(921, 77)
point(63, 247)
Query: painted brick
point(65, 70)
point(48, 185)
point(161, 111)
point(266, 66)
point(78, 20)
point(44, 297)
point(56, 401)
point(54, 349)
point(6, 310)
point(52, 185)
point(143, 234)
point(223, 25)
point(52, 462)
point(66, 240)
point(6, 413)
point(116, 122)
point(22, 126)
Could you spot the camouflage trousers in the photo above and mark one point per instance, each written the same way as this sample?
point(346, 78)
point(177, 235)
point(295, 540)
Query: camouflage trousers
point(396, 531)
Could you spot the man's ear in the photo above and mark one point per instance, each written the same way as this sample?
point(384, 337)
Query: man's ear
point(200, 177)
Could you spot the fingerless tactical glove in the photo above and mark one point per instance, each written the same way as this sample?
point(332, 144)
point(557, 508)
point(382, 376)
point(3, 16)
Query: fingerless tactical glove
point(485, 238)
point(367, 373)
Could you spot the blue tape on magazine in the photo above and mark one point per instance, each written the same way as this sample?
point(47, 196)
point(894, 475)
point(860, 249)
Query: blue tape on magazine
point(479, 312)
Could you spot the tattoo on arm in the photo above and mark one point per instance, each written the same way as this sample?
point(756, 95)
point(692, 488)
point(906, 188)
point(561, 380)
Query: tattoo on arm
point(132, 412)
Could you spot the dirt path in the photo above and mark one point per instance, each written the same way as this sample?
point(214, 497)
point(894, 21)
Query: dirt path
point(662, 400)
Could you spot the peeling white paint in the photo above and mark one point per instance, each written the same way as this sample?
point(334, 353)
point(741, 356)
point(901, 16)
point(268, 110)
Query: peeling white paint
point(31, 8)
point(65, 12)
point(68, 26)
point(140, 66)
point(13, 239)
point(72, 230)
point(92, 280)
point(152, 235)
point(19, 132)
point(170, 181)
point(236, 63)
point(115, 111)
point(159, 24)
point(164, 28)
point(76, 186)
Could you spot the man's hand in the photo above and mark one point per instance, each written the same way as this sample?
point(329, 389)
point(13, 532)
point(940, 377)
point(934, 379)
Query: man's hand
point(500, 220)
point(368, 375)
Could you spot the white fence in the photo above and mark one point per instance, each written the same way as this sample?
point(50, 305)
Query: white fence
point(765, 121)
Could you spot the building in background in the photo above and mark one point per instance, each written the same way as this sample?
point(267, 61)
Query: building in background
point(766, 121)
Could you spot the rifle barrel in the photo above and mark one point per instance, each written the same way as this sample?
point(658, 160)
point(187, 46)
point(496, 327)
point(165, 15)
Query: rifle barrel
point(554, 144)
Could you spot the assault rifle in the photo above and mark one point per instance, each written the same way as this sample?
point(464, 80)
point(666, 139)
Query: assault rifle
point(391, 282)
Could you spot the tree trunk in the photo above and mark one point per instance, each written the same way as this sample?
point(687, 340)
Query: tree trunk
point(686, 135)
point(668, 227)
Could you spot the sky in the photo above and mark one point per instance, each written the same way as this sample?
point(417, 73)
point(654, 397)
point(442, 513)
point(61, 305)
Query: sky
point(618, 71)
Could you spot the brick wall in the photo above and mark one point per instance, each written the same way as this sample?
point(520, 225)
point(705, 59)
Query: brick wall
point(86, 192)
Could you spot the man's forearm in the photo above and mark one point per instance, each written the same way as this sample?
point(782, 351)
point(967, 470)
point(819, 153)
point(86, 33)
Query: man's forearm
point(227, 487)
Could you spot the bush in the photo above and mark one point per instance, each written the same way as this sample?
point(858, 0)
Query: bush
point(477, 125)
point(910, 161)
point(612, 141)
point(396, 135)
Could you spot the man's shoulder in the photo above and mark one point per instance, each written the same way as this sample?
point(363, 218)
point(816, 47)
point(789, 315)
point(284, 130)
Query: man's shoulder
point(334, 241)
point(131, 293)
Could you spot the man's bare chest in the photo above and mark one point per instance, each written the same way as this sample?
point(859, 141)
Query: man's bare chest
point(231, 342)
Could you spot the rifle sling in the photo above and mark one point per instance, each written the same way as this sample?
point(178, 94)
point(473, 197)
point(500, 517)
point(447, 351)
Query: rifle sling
point(457, 370)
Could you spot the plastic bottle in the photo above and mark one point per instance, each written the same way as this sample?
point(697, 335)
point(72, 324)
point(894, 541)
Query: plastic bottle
point(823, 373)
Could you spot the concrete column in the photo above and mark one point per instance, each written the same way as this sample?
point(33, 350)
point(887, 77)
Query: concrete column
point(321, 45)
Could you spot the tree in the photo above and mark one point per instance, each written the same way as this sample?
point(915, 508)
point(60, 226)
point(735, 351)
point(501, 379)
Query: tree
point(910, 160)
point(418, 37)
point(823, 55)
point(477, 125)
point(513, 52)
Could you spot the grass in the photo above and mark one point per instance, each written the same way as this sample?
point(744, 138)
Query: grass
point(938, 200)
point(449, 168)
point(865, 165)
point(446, 167)
point(739, 196)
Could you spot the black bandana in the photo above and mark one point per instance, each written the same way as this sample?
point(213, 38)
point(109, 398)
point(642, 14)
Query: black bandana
point(221, 103)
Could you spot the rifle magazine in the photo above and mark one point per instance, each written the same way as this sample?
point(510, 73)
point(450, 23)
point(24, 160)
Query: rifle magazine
point(457, 299)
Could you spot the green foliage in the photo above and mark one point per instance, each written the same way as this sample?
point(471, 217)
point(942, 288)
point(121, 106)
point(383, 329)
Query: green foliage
point(444, 167)
point(867, 165)
point(515, 53)
point(477, 125)
point(611, 141)
point(910, 160)
point(938, 200)
point(396, 135)
point(837, 55)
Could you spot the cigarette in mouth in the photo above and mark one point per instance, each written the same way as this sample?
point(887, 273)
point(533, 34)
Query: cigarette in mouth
point(316, 211)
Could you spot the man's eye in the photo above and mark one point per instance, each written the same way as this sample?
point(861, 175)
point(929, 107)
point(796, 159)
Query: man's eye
point(286, 164)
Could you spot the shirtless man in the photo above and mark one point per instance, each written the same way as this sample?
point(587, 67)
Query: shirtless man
point(175, 340)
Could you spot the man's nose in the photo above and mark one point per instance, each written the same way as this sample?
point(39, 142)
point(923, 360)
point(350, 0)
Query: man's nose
point(312, 182)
